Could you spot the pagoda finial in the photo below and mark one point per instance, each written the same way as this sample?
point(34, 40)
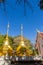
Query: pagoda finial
point(22, 41)
point(7, 31)
point(37, 30)
point(21, 29)
point(7, 28)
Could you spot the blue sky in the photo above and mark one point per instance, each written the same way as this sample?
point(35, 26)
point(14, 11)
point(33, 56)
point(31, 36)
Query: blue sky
point(15, 16)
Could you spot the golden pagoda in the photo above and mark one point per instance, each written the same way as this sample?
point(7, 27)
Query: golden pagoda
point(6, 48)
point(22, 45)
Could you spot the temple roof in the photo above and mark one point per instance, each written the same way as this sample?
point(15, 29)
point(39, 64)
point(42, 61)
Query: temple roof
point(41, 33)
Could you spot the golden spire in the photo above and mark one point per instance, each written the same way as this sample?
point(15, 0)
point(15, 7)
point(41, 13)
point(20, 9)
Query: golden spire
point(21, 31)
point(22, 41)
point(6, 46)
point(6, 42)
point(7, 31)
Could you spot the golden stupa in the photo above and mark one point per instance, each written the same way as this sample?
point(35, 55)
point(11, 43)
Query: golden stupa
point(6, 48)
point(22, 45)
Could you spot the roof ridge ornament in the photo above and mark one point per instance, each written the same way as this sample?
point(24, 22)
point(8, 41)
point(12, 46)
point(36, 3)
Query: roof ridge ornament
point(37, 31)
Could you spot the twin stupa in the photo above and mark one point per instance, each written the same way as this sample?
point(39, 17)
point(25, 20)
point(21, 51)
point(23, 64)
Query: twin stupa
point(7, 49)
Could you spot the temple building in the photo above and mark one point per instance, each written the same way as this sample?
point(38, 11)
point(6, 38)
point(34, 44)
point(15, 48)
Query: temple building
point(39, 43)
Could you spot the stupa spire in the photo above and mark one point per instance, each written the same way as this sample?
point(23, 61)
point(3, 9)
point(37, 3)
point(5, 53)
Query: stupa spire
point(7, 30)
point(22, 41)
point(6, 41)
point(21, 31)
